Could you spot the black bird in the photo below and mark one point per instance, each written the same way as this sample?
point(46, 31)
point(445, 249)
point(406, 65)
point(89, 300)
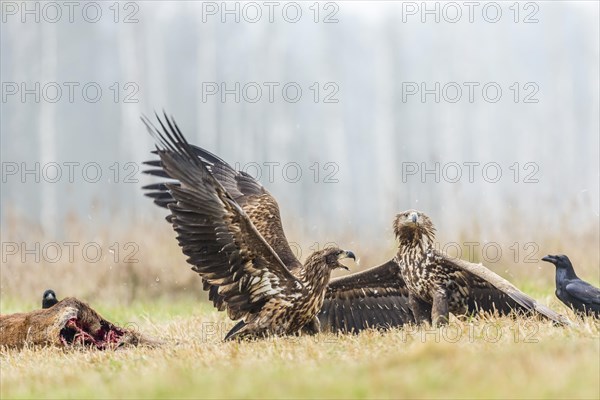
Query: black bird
point(49, 299)
point(575, 293)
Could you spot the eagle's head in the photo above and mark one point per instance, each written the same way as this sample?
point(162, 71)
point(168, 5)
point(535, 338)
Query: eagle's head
point(331, 257)
point(412, 226)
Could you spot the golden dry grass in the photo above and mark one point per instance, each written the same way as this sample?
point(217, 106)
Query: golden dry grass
point(159, 268)
point(483, 358)
point(490, 358)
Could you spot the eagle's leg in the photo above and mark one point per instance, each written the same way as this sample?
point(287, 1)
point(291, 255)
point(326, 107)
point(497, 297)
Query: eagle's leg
point(421, 309)
point(439, 311)
point(313, 327)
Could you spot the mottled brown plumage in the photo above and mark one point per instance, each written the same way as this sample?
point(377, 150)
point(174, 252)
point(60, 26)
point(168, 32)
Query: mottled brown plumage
point(238, 264)
point(439, 285)
point(376, 298)
point(258, 204)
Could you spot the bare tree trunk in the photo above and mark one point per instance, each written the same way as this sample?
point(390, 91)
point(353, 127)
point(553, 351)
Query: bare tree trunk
point(47, 129)
point(130, 148)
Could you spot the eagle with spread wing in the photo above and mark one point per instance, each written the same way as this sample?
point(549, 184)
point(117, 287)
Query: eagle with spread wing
point(244, 272)
point(439, 285)
point(376, 298)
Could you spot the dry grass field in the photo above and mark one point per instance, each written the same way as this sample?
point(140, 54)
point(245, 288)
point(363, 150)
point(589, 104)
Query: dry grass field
point(495, 358)
point(160, 296)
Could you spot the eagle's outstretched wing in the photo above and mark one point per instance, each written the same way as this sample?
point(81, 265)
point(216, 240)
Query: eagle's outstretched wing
point(378, 298)
point(486, 298)
point(374, 298)
point(488, 291)
point(258, 204)
point(221, 242)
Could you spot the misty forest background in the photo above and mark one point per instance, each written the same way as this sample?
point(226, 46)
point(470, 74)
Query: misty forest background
point(369, 136)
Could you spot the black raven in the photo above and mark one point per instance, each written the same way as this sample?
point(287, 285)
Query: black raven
point(575, 293)
point(49, 299)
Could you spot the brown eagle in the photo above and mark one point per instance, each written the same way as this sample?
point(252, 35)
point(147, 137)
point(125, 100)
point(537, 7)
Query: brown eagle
point(241, 268)
point(377, 298)
point(439, 285)
point(374, 298)
point(388, 295)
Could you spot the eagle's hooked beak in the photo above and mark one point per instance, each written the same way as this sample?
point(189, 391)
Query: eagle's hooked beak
point(346, 254)
point(413, 217)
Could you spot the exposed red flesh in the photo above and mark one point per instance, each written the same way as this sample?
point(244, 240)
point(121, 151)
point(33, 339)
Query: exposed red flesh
point(105, 337)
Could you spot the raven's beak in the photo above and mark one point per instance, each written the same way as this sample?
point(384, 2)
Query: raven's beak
point(550, 259)
point(49, 294)
point(346, 254)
